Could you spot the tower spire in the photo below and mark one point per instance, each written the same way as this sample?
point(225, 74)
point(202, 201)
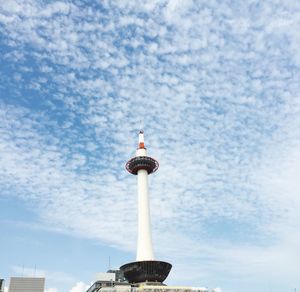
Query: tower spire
point(141, 140)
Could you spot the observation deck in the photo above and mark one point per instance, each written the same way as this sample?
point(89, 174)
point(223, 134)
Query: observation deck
point(142, 162)
point(146, 271)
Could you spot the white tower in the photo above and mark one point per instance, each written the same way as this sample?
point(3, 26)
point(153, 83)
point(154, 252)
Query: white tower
point(145, 269)
point(144, 244)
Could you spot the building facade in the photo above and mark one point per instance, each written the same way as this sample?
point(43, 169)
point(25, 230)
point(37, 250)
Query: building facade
point(26, 284)
point(1, 285)
point(123, 287)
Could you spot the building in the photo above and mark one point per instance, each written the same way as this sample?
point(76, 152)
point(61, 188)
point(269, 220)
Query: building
point(26, 284)
point(148, 288)
point(119, 276)
point(109, 280)
point(1, 285)
point(105, 283)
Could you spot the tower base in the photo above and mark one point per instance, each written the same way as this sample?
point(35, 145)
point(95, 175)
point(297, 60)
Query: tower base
point(146, 271)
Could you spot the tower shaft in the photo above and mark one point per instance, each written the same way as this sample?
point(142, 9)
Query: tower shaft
point(143, 165)
point(144, 245)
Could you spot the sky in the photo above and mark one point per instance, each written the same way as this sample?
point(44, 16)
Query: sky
point(215, 85)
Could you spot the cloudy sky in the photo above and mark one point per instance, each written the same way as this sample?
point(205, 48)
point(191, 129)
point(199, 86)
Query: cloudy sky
point(215, 85)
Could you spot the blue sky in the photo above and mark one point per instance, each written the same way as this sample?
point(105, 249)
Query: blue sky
point(216, 86)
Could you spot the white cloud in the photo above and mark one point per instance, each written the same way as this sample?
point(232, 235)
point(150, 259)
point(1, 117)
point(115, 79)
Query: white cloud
point(79, 287)
point(51, 290)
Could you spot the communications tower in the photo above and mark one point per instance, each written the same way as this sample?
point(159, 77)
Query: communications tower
point(145, 268)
